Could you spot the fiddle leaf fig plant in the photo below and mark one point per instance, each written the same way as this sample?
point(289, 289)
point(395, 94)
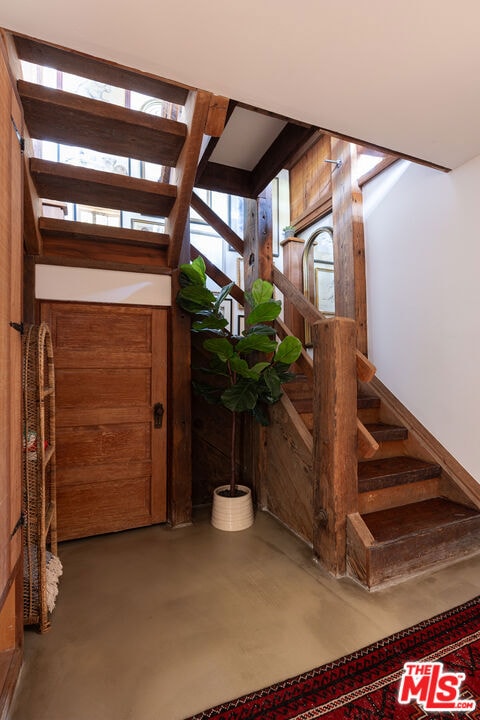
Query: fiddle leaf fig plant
point(250, 368)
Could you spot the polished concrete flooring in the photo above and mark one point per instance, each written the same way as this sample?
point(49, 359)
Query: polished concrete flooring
point(157, 624)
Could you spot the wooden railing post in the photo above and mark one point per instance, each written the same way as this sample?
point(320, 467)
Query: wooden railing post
point(293, 271)
point(334, 438)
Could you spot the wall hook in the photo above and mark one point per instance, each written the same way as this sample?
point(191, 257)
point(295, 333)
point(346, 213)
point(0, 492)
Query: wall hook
point(337, 163)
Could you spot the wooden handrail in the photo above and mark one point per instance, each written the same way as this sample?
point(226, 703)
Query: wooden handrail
point(302, 304)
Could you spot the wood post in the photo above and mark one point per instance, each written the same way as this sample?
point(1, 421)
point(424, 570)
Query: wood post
point(348, 240)
point(334, 439)
point(293, 269)
point(258, 263)
point(179, 483)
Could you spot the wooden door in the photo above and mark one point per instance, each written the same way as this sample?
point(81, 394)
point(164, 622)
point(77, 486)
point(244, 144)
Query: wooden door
point(111, 371)
point(11, 249)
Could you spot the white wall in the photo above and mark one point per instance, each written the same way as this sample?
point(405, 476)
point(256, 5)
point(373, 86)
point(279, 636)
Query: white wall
point(55, 282)
point(422, 234)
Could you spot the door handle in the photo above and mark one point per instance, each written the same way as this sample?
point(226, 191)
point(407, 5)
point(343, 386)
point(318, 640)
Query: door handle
point(158, 411)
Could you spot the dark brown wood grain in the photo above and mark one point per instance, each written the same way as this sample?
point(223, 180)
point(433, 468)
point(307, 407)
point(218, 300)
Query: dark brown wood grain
point(71, 119)
point(59, 181)
point(88, 66)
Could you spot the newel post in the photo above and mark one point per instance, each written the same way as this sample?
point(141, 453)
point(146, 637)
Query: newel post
point(293, 269)
point(334, 439)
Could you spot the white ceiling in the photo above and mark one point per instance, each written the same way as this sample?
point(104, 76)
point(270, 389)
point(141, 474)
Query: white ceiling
point(403, 74)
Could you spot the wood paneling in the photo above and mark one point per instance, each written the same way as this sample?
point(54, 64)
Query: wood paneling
point(110, 364)
point(289, 483)
point(310, 181)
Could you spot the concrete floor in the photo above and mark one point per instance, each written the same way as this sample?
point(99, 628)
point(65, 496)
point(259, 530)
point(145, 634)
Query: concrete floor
point(157, 624)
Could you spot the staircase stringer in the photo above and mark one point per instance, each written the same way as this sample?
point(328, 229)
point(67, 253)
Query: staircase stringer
point(196, 111)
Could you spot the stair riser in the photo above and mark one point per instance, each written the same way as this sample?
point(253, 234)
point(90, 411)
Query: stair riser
point(391, 449)
point(398, 495)
point(395, 561)
point(368, 415)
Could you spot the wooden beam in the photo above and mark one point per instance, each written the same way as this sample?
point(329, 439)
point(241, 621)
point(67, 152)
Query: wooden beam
point(334, 439)
point(55, 227)
point(223, 178)
point(211, 145)
point(59, 181)
point(88, 66)
point(71, 119)
point(32, 207)
point(87, 262)
point(218, 276)
point(348, 241)
point(217, 116)
point(216, 222)
point(196, 110)
point(284, 147)
point(180, 421)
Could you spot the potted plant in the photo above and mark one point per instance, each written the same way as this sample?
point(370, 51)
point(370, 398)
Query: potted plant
point(245, 372)
point(289, 231)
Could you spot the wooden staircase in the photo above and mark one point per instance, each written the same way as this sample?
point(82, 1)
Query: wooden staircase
point(75, 120)
point(411, 516)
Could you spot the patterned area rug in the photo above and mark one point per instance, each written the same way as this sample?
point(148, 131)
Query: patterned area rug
point(443, 676)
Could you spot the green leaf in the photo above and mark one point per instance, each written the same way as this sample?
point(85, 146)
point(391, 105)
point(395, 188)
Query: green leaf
point(195, 271)
point(209, 323)
point(220, 347)
point(272, 381)
point(259, 367)
point(262, 343)
point(242, 396)
point(259, 330)
point(223, 294)
point(239, 365)
point(265, 312)
point(289, 350)
point(195, 298)
point(262, 291)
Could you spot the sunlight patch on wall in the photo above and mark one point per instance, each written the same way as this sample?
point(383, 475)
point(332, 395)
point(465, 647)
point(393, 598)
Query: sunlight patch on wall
point(386, 182)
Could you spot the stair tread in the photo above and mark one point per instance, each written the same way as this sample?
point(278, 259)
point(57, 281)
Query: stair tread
point(41, 53)
point(418, 518)
point(56, 227)
point(387, 472)
point(69, 183)
point(383, 431)
point(64, 117)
